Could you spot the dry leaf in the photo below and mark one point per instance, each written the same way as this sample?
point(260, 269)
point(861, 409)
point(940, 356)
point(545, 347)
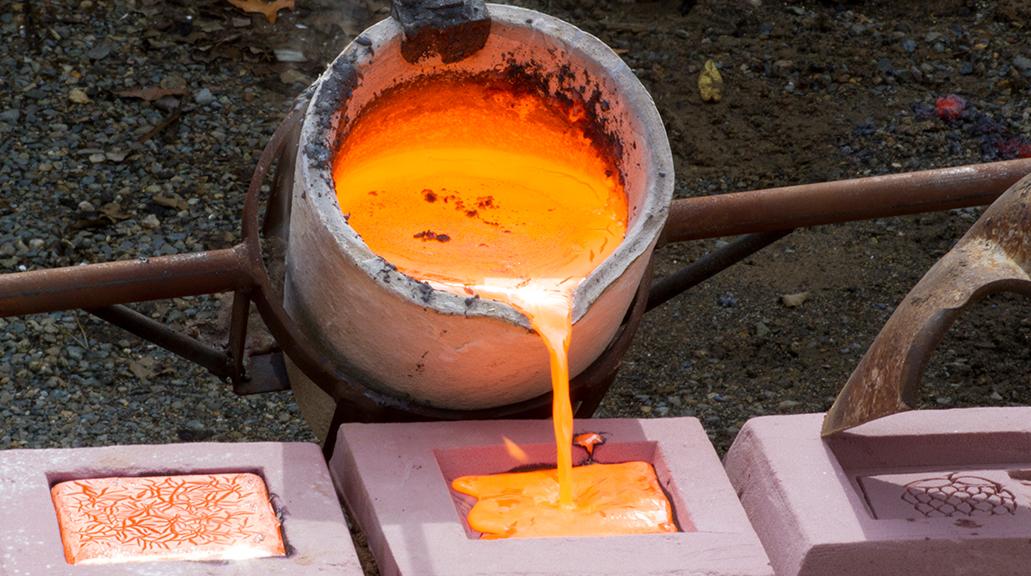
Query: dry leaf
point(710, 83)
point(269, 9)
point(151, 94)
point(171, 200)
point(143, 369)
point(114, 212)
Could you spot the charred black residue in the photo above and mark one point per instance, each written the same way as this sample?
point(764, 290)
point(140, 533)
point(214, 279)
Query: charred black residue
point(335, 91)
point(582, 102)
point(452, 30)
point(317, 153)
point(428, 235)
point(386, 270)
point(424, 290)
point(429, 195)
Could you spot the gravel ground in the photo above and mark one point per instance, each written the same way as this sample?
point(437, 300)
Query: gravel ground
point(91, 171)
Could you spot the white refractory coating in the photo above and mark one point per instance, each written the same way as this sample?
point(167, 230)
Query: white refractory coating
point(395, 334)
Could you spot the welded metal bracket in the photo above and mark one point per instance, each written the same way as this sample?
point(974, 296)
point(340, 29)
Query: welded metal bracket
point(452, 29)
point(994, 256)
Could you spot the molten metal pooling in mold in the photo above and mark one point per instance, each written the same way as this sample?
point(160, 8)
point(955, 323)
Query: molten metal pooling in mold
point(610, 499)
point(485, 189)
point(191, 517)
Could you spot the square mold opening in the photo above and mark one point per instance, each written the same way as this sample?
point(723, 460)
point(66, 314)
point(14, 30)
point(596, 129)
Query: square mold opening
point(111, 517)
point(925, 492)
point(293, 476)
point(496, 458)
point(965, 478)
point(396, 480)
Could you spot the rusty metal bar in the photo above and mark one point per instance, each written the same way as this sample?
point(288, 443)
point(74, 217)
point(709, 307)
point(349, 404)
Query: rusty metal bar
point(709, 265)
point(238, 337)
point(842, 201)
point(214, 360)
point(101, 285)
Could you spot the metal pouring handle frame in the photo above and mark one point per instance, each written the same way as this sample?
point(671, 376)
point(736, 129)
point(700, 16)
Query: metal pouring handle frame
point(993, 256)
point(101, 289)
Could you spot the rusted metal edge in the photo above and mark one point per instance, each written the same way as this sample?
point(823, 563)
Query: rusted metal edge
point(100, 285)
point(994, 256)
point(842, 201)
point(214, 360)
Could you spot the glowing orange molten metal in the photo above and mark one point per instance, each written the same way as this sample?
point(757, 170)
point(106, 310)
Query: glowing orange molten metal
point(485, 189)
point(610, 499)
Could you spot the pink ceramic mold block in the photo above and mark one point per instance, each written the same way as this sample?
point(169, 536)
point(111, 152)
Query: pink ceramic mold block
point(396, 480)
point(314, 532)
point(917, 493)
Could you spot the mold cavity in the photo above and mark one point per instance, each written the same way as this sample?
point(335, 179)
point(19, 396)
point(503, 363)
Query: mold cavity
point(215, 516)
point(947, 477)
point(540, 458)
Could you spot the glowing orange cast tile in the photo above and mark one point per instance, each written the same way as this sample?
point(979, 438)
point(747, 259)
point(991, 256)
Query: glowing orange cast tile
point(190, 517)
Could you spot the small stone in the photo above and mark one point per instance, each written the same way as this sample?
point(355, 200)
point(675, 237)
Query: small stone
point(203, 97)
point(726, 300)
point(761, 330)
point(97, 158)
point(293, 76)
point(10, 116)
point(1022, 63)
point(909, 45)
point(100, 51)
point(794, 300)
point(78, 96)
point(288, 55)
point(151, 222)
point(87, 206)
point(787, 404)
point(36, 243)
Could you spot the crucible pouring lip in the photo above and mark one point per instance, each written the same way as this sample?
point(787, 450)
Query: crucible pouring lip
point(322, 134)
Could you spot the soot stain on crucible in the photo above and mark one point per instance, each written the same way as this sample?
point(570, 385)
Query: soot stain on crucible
point(425, 291)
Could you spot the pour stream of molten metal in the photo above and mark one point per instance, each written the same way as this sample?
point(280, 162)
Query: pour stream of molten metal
point(484, 189)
